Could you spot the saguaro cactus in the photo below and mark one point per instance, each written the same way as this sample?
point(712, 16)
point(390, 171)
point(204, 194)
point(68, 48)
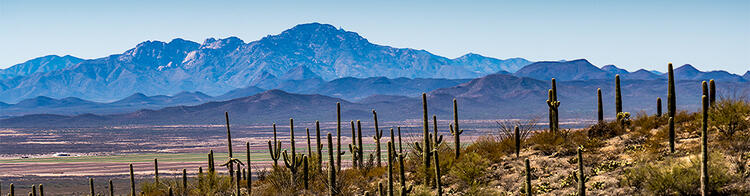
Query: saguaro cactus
point(338, 137)
point(156, 171)
point(704, 147)
point(305, 172)
point(91, 186)
point(527, 187)
point(438, 184)
point(249, 170)
point(353, 148)
point(391, 154)
point(230, 164)
point(331, 169)
point(712, 91)
point(517, 138)
point(361, 152)
point(318, 145)
point(211, 163)
point(111, 189)
point(554, 97)
point(132, 181)
point(671, 99)
point(309, 145)
point(600, 110)
point(671, 134)
point(424, 150)
point(658, 107)
point(618, 95)
point(581, 175)
point(33, 190)
point(437, 139)
point(184, 182)
point(400, 149)
point(553, 105)
point(295, 160)
point(455, 130)
point(12, 190)
point(402, 176)
point(239, 178)
point(378, 135)
point(274, 148)
point(41, 189)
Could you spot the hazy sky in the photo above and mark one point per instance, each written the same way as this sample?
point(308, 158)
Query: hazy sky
point(630, 34)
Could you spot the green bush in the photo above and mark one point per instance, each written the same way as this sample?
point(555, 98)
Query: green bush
point(469, 169)
point(677, 176)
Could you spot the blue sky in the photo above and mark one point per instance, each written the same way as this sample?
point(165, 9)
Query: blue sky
point(631, 34)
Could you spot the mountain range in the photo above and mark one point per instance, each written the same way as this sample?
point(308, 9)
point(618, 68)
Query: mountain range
point(495, 96)
point(216, 66)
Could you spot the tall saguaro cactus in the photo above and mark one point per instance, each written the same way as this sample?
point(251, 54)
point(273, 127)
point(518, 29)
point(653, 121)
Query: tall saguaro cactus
point(91, 186)
point(671, 99)
point(424, 149)
point(274, 148)
point(319, 145)
point(156, 171)
point(391, 154)
point(402, 176)
point(517, 135)
point(294, 161)
point(581, 175)
point(704, 147)
point(438, 184)
point(599, 108)
point(331, 169)
point(305, 172)
point(712, 92)
point(455, 130)
point(378, 135)
point(361, 152)
point(658, 107)
point(309, 145)
point(338, 136)
point(527, 186)
point(353, 148)
point(618, 95)
point(249, 170)
point(132, 181)
point(671, 134)
point(553, 105)
point(230, 164)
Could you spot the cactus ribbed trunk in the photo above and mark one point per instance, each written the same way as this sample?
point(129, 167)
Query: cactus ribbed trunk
point(249, 171)
point(554, 96)
point(618, 95)
point(353, 148)
point(438, 184)
point(91, 186)
point(599, 108)
point(704, 147)
point(671, 99)
point(331, 168)
point(390, 167)
point(239, 178)
point(712, 91)
point(517, 139)
point(229, 145)
point(41, 189)
point(456, 131)
point(211, 165)
point(359, 144)
point(378, 135)
point(318, 145)
point(132, 181)
point(671, 134)
point(527, 186)
point(658, 107)
point(274, 148)
point(402, 175)
point(581, 175)
point(309, 143)
point(426, 148)
point(338, 136)
point(400, 149)
point(156, 171)
point(305, 172)
point(184, 182)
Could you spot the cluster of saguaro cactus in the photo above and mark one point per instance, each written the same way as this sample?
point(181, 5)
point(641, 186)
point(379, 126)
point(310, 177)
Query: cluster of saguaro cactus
point(553, 107)
point(353, 147)
point(274, 148)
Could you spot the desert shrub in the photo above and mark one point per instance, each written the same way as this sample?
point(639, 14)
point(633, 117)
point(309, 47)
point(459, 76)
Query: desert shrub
point(730, 116)
point(490, 148)
point(644, 123)
point(562, 143)
point(677, 176)
point(415, 164)
point(469, 169)
point(604, 130)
